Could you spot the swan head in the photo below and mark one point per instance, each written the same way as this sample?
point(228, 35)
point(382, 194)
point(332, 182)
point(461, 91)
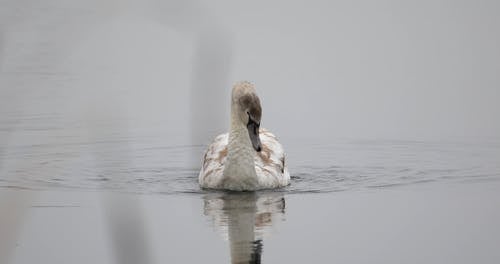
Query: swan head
point(246, 105)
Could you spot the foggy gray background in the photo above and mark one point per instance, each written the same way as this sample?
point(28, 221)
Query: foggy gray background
point(323, 69)
point(103, 97)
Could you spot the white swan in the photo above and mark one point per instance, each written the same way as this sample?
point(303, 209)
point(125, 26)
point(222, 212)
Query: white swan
point(247, 158)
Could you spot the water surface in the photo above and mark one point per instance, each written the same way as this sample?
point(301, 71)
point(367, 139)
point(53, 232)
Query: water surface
point(135, 199)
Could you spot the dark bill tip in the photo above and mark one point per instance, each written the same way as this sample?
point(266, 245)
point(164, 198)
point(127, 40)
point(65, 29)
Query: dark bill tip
point(253, 132)
point(259, 148)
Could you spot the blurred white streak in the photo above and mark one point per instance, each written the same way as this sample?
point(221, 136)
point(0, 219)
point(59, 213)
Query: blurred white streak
point(127, 228)
point(1, 48)
point(2, 138)
point(210, 83)
point(13, 207)
point(124, 216)
point(210, 86)
point(13, 203)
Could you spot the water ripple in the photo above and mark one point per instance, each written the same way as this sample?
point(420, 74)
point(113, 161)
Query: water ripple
point(162, 169)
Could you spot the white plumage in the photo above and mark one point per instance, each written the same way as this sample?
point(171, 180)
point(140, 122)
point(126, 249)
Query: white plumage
point(270, 164)
point(246, 158)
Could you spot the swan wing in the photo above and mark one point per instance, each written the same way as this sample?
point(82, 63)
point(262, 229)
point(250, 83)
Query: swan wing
point(213, 162)
point(270, 163)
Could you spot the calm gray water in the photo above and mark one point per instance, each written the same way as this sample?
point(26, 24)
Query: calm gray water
point(135, 199)
point(143, 165)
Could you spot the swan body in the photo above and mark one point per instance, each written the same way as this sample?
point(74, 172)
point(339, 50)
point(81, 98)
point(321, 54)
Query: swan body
point(248, 157)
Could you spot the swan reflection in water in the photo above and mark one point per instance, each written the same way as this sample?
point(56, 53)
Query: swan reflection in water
point(243, 219)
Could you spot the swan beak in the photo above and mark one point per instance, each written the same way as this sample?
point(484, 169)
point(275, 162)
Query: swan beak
point(253, 132)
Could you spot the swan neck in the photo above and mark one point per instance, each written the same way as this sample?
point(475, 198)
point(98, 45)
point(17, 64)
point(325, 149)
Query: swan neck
point(239, 170)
